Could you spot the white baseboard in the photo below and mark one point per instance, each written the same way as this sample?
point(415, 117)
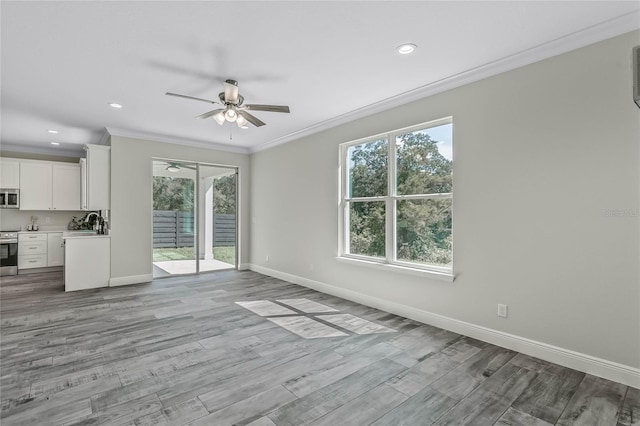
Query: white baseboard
point(610, 370)
point(244, 266)
point(133, 279)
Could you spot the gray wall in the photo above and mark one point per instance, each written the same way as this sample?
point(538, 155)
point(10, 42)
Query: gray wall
point(541, 154)
point(131, 199)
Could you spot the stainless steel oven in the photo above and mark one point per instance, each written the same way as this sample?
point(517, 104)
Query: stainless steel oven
point(9, 198)
point(8, 253)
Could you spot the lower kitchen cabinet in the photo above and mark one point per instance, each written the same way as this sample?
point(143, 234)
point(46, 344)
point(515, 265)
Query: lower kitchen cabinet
point(32, 251)
point(55, 249)
point(40, 250)
point(87, 262)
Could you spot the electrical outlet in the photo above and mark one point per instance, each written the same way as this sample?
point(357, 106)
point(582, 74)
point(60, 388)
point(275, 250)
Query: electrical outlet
point(266, 258)
point(47, 219)
point(502, 310)
point(311, 267)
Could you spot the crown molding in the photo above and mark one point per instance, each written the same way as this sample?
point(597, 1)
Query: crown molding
point(56, 152)
point(590, 35)
point(105, 139)
point(113, 131)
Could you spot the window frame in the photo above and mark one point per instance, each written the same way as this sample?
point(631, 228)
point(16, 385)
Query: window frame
point(391, 200)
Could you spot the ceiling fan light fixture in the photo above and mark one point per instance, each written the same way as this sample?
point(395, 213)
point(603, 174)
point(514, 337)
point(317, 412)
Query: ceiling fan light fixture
point(231, 115)
point(241, 122)
point(173, 168)
point(219, 117)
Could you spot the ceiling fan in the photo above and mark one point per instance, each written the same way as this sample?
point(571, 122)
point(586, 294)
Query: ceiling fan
point(175, 167)
point(234, 109)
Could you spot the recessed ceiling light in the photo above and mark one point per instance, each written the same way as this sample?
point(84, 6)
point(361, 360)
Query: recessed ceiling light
point(244, 127)
point(115, 105)
point(405, 49)
point(55, 143)
point(52, 131)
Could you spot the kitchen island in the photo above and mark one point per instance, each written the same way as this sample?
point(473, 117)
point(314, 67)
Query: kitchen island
point(87, 260)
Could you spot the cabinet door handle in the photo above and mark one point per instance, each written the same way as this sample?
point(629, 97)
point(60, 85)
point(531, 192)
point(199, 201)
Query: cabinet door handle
point(33, 261)
point(32, 248)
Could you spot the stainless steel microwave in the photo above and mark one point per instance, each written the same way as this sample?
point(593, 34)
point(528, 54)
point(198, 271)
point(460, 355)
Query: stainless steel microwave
point(9, 198)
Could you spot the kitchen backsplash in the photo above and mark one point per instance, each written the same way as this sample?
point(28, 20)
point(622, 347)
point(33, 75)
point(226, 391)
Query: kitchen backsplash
point(11, 220)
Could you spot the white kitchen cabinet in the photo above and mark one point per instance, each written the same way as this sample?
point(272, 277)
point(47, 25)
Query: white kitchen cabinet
point(32, 251)
point(87, 262)
point(40, 250)
point(35, 186)
point(49, 186)
point(55, 249)
point(96, 178)
point(9, 173)
point(65, 187)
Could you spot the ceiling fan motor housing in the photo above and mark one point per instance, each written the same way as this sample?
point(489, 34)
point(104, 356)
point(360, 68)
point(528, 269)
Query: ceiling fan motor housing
point(225, 102)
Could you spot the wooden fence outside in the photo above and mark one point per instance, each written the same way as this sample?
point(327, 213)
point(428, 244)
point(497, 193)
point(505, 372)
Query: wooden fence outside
point(175, 229)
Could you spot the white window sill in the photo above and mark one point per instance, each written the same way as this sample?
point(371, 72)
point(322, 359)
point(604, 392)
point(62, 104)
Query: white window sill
point(441, 276)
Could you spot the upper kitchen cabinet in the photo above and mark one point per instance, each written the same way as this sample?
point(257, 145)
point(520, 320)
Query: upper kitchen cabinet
point(66, 187)
point(9, 173)
point(96, 177)
point(49, 186)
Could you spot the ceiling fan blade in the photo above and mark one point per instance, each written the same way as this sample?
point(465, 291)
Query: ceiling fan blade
point(271, 108)
point(251, 118)
point(231, 91)
point(191, 97)
point(210, 113)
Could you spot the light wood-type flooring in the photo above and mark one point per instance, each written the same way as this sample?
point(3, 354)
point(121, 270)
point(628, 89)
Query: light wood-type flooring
point(181, 351)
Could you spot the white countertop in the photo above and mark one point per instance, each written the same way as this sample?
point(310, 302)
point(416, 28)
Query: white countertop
point(70, 236)
point(43, 231)
point(66, 233)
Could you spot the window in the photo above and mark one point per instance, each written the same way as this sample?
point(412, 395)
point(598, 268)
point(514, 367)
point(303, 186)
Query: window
point(396, 197)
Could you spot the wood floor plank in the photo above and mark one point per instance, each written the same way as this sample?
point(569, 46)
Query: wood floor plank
point(57, 413)
point(630, 413)
point(315, 405)
point(236, 389)
point(471, 373)
point(423, 408)
point(121, 413)
point(596, 402)
point(262, 421)
point(176, 415)
point(250, 409)
point(515, 417)
point(364, 409)
point(311, 381)
point(549, 393)
point(491, 399)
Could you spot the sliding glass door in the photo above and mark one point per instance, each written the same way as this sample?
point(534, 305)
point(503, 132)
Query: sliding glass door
point(194, 218)
point(217, 217)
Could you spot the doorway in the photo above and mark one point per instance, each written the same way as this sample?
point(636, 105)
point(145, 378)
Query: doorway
point(194, 218)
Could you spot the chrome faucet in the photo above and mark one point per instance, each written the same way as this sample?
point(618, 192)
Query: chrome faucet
point(86, 219)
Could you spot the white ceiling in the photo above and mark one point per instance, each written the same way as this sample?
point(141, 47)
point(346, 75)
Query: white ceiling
point(330, 61)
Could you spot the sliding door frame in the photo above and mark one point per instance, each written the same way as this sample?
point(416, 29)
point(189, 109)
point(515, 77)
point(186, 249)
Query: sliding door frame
point(196, 208)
